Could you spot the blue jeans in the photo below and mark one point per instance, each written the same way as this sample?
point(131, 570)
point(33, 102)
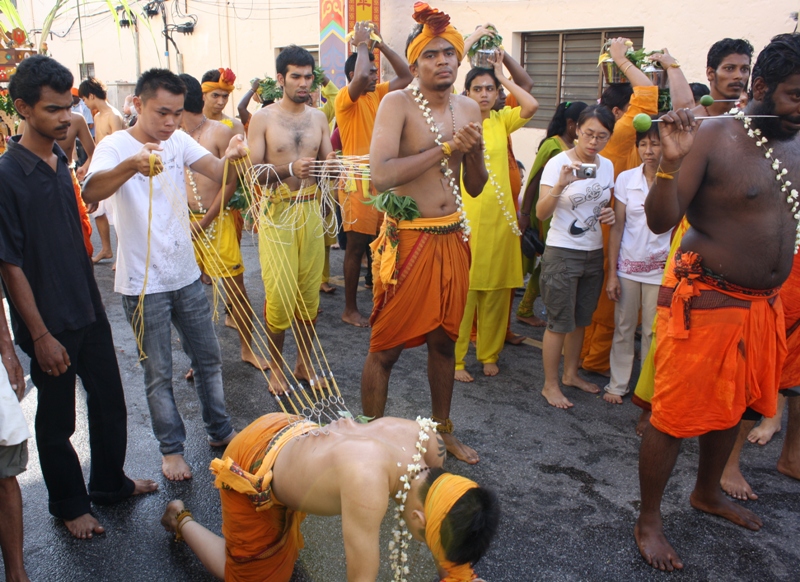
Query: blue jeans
point(190, 313)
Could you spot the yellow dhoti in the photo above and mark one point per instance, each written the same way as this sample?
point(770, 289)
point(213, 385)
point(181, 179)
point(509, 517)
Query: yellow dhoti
point(292, 253)
point(219, 255)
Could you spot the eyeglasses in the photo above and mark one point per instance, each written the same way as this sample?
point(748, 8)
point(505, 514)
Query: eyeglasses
point(591, 137)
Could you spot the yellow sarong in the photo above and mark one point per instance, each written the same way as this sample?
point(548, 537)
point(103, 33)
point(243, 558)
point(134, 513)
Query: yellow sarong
point(220, 254)
point(292, 253)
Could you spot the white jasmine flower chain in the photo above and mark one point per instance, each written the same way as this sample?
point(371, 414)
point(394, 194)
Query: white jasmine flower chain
point(793, 196)
point(398, 545)
point(512, 222)
point(445, 167)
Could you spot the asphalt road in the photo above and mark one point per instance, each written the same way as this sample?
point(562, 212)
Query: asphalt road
point(567, 480)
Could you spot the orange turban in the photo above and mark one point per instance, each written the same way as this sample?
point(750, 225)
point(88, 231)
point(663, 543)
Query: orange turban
point(443, 494)
point(225, 83)
point(435, 25)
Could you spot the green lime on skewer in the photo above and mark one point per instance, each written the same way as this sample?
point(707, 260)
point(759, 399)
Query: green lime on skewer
point(706, 100)
point(642, 122)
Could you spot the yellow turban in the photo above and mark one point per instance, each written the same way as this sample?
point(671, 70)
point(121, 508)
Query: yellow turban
point(225, 83)
point(435, 25)
point(443, 494)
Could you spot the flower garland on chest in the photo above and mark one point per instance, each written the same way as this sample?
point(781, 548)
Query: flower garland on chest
point(793, 197)
point(422, 103)
point(398, 545)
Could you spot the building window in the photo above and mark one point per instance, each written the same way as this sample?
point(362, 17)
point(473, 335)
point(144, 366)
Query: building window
point(87, 70)
point(563, 66)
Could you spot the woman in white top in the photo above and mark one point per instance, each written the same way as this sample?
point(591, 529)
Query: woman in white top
point(575, 190)
point(636, 259)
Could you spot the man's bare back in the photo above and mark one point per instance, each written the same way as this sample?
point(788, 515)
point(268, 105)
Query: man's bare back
point(312, 473)
point(431, 190)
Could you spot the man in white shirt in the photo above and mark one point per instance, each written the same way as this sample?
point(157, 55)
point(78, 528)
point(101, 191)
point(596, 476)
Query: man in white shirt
point(14, 437)
point(158, 253)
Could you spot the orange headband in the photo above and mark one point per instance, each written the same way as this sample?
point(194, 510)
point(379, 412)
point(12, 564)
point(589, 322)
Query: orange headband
point(443, 494)
point(435, 25)
point(225, 83)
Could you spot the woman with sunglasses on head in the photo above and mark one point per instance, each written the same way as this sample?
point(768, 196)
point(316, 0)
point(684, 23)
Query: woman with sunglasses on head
point(575, 191)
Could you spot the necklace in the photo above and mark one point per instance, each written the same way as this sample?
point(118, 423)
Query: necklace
point(444, 165)
point(198, 199)
point(398, 546)
point(793, 197)
point(512, 222)
point(199, 125)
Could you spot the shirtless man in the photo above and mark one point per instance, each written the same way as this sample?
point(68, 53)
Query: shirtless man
point(217, 88)
point(719, 177)
point(217, 252)
point(405, 158)
point(289, 135)
point(352, 470)
point(106, 121)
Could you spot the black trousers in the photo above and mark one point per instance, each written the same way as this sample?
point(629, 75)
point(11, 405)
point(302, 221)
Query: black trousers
point(92, 357)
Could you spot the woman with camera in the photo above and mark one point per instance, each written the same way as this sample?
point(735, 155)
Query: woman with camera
point(575, 192)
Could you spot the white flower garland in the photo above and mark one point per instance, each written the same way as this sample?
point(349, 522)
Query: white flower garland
point(512, 222)
point(398, 545)
point(448, 173)
point(794, 196)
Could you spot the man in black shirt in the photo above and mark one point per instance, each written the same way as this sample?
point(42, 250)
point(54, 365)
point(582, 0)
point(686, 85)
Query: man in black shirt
point(56, 310)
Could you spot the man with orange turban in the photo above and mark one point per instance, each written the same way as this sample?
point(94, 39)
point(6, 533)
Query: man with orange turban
point(217, 87)
point(422, 259)
point(270, 477)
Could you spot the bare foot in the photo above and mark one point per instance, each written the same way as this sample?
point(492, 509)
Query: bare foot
point(103, 254)
point(224, 442)
point(789, 466)
point(463, 376)
point(169, 519)
point(458, 449)
point(142, 486)
point(724, 507)
point(249, 357)
point(764, 432)
point(175, 468)
point(327, 288)
point(514, 339)
point(654, 547)
point(612, 398)
point(189, 375)
point(532, 321)
point(555, 397)
point(577, 382)
point(355, 318)
point(644, 422)
point(230, 322)
point(277, 383)
point(490, 369)
point(84, 527)
point(734, 484)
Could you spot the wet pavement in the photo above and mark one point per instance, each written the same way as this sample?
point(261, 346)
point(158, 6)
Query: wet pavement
point(567, 480)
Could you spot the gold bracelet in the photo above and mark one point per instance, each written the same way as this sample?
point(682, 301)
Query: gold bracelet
point(665, 176)
point(446, 149)
point(179, 519)
point(675, 65)
point(630, 64)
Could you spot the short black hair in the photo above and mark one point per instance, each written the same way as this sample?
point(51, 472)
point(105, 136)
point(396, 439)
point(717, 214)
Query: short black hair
point(92, 86)
point(699, 89)
point(350, 64)
point(470, 525)
point(617, 95)
point(193, 101)
point(651, 132)
point(565, 110)
point(777, 61)
point(600, 113)
point(728, 46)
point(477, 72)
point(293, 55)
point(211, 76)
point(154, 79)
point(36, 72)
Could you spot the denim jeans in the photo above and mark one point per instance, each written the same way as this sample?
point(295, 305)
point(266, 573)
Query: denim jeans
point(190, 313)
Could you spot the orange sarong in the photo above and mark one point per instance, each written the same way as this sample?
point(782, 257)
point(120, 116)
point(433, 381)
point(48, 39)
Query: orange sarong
point(86, 224)
point(262, 536)
point(421, 278)
point(790, 298)
point(720, 350)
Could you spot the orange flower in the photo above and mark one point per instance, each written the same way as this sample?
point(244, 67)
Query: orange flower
point(227, 76)
point(437, 21)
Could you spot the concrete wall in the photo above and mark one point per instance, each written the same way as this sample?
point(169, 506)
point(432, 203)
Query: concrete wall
point(246, 39)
